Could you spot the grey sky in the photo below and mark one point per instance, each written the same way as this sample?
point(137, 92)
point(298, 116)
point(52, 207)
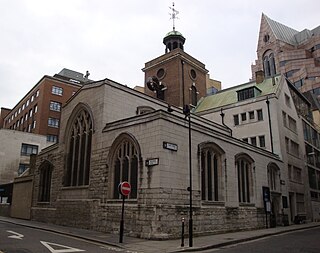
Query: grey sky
point(113, 39)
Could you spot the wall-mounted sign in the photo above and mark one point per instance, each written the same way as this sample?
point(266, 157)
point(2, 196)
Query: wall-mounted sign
point(170, 146)
point(152, 161)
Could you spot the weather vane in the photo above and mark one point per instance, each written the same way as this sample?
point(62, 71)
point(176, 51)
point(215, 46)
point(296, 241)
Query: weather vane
point(173, 15)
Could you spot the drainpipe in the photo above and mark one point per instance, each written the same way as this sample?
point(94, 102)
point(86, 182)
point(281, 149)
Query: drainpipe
point(222, 120)
point(183, 99)
point(270, 129)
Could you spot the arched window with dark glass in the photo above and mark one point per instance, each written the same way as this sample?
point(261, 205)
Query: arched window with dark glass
point(194, 95)
point(211, 173)
point(79, 149)
point(244, 166)
point(269, 65)
point(45, 171)
point(125, 166)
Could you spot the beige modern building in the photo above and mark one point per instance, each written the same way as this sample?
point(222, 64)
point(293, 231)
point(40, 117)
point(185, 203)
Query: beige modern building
point(15, 150)
point(266, 114)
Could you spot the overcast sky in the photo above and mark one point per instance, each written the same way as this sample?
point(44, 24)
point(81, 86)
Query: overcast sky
point(113, 39)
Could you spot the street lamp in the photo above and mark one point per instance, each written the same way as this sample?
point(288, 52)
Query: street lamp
point(186, 111)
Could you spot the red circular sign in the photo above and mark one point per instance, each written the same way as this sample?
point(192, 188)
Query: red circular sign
point(125, 188)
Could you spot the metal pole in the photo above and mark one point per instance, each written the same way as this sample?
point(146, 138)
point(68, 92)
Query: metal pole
point(122, 222)
point(190, 172)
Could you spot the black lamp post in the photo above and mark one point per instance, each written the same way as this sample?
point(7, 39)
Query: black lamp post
point(186, 111)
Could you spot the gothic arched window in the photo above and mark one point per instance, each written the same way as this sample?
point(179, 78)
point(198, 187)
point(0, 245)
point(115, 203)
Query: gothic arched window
point(194, 95)
point(45, 181)
point(79, 150)
point(245, 178)
point(211, 173)
point(125, 166)
point(269, 65)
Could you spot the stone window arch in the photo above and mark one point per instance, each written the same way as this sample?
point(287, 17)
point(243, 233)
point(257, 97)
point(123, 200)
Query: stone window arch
point(244, 166)
point(45, 171)
point(269, 65)
point(125, 163)
point(79, 140)
point(212, 174)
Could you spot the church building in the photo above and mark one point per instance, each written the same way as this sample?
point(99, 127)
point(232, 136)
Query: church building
point(110, 133)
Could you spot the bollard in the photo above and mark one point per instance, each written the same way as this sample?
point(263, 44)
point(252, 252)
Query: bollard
point(182, 233)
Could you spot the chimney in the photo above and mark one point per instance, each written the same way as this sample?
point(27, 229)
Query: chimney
point(259, 76)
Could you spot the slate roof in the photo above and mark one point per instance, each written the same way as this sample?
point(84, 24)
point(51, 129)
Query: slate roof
point(229, 96)
point(290, 35)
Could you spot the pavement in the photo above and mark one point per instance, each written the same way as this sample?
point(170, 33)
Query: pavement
point(136, 245)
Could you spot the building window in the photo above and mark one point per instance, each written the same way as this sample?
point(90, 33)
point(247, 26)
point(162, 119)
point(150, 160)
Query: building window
point(35, 108)
point(55, 106)
point(294, 148)
point(292, 124)
point(23, 106)
point(45, 182)
point(79, 150)
point(284, 118)
point(34, 124)
point(22, 168)
point(144, 109)
point(269, 65)
point(32, 98)
point(211, 170)
point(245, 93)
point(26, 117)
point(251, 115)
point(57, 90)
point(253, 141)
point(274, 177)
point(296, 174)
point(262, 141)
point(37, 93)
point(27, 104)
point(245, 182)
point(287, 100)
point(30, 113)
point(236, 120)
point(287, 144)
point(243, 116)
point(52, 122)
point(194, 95)
point(245, 140)
point(260, 114)
point(52, 138)
point(28, 149)
point(125, 167)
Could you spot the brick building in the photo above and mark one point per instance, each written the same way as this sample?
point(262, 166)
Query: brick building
point(176, 77)
point(39, 110)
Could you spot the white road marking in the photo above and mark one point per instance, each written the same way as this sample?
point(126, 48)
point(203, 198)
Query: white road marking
point(15, 235)
point(65, 249)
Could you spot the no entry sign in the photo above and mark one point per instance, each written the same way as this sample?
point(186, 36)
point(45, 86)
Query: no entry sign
point(125, 188)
